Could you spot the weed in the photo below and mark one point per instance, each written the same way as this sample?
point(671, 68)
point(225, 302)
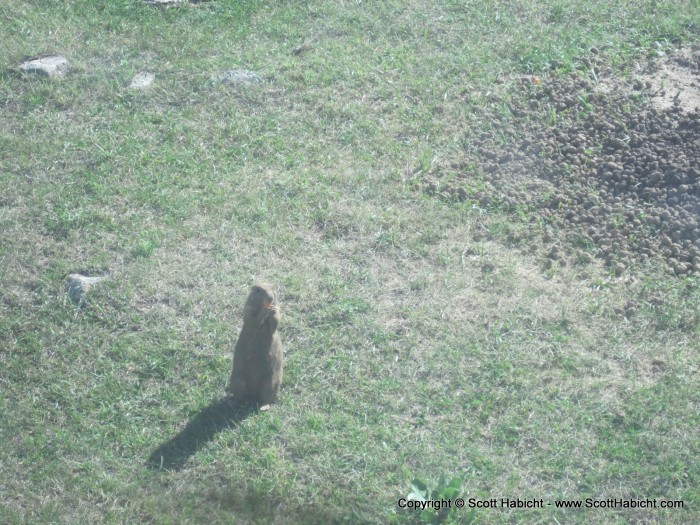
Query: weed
point(435, 504)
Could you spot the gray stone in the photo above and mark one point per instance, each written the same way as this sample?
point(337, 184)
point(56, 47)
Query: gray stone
point(165, 3)
point(49, 66)
point(237, 77)
point(78, 285)
point(142, 80)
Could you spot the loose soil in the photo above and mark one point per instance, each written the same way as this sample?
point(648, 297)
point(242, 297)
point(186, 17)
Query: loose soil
point(608, 161)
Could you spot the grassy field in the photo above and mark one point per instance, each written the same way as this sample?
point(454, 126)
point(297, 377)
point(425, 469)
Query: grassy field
point(418, 340)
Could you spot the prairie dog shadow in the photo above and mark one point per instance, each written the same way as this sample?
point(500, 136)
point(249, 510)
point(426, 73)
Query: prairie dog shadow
point(217, 416)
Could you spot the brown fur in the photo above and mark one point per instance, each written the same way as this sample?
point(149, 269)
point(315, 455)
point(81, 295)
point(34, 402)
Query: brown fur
point(258, 360)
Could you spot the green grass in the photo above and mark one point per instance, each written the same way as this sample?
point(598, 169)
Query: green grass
point(412, 348)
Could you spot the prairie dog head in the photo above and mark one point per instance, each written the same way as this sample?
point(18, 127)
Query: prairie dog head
point(261, 296)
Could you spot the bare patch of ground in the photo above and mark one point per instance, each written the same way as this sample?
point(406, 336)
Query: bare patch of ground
point(617, 170)
point(675, 81)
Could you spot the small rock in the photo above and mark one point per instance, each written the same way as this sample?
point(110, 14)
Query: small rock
point(165, 3)
point(237, 77)
point(142, 80)
point(48, 66)
point(78, 285)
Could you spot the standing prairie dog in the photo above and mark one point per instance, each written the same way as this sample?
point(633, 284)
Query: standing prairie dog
point(257, 360)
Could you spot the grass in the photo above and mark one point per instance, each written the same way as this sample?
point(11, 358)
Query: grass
point(413, 349)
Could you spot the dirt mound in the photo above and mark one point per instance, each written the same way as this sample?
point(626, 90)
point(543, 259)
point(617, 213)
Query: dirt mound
point(620, 174)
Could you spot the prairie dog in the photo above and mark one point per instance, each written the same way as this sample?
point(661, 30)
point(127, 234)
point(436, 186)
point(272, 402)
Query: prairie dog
point(258, 360)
